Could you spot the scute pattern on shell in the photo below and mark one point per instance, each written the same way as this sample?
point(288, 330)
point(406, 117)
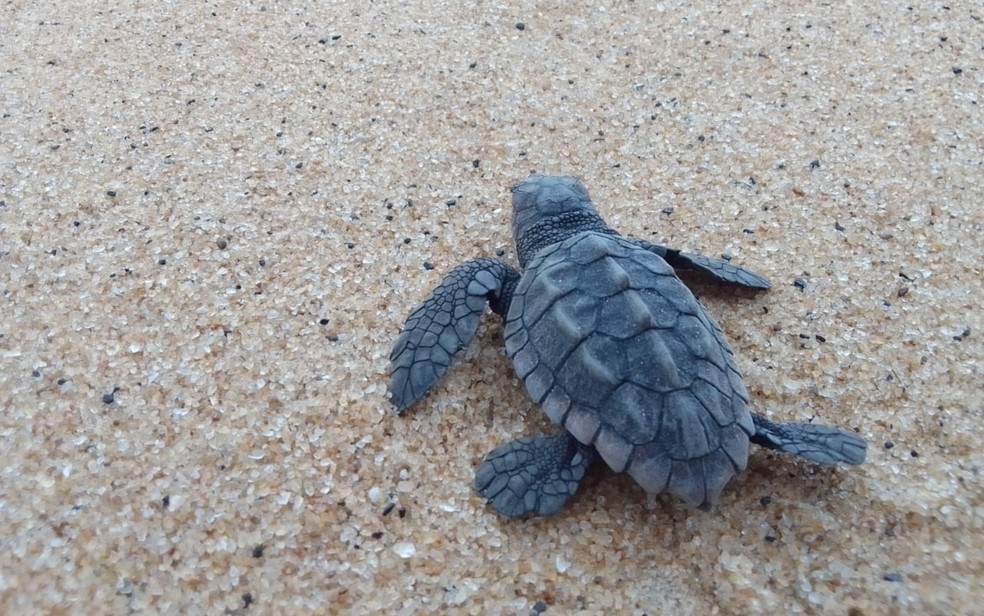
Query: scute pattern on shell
point(618, 350)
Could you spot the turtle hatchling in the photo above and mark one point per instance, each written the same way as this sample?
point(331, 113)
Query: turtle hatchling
point(617, 351)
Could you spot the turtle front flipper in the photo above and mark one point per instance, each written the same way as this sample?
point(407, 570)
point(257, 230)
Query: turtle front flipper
point(444, 323)
point(533, 474)
point(815, 442)
point(715, 268)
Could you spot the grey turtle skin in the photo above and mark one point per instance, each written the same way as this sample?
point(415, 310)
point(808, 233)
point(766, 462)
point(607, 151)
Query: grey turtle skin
point(614, 348)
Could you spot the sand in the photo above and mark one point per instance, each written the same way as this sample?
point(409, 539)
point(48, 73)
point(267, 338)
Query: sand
point(214, 219)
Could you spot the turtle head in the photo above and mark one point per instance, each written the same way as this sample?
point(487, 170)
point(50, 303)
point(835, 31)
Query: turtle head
point(549, 209)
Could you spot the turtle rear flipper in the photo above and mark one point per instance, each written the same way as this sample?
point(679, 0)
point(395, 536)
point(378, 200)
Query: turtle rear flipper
point(815, 442)
point(444, 324)
point(533, 474)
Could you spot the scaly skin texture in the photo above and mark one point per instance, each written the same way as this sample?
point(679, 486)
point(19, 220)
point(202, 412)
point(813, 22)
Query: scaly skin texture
point(815, 442)
point(533, 474)
point(444, 324)
point(722, 271)
point(617, 351)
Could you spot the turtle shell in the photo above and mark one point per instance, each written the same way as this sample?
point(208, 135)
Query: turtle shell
point(616, 349)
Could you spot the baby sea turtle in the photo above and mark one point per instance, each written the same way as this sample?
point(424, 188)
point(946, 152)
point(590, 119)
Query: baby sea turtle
point(615, 349)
